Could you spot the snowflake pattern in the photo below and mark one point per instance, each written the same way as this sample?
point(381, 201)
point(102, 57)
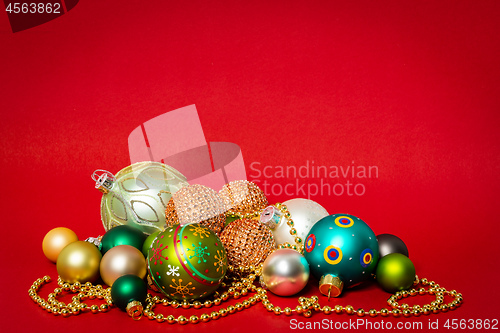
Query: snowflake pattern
point(199, 252)
point(182, 290)
point(199, 230)
point(220, 258)
point(172, 270)
point(157, 253)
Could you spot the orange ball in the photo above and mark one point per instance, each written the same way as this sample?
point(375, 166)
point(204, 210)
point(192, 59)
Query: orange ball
point(56, 240)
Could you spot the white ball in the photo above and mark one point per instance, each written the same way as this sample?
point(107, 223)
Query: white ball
point(305, 213)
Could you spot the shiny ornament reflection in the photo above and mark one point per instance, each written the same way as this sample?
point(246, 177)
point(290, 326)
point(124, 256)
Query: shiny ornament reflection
point(395, 272)
point(122, 260)
point(388, 244)
point(79, 262)
point(285, 272)
point(56, 240)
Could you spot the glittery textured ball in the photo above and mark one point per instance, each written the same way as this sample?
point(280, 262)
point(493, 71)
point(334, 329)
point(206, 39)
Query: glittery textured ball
point(187, 262)
point(196, 204)
point(242, 197)
point(247, 242)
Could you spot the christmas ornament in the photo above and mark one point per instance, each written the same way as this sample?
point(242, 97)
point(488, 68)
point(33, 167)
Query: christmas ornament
point(243, 198)
point(147, 243)
point(247, 242)
point(79, 262)
point(395, 272)
point(122, 235)
point(342, 251)
point(388, 243)
point(285, 272)
point(187, 262)
point(122, 260)
point(304, 214)
point(137, 195)
point(55, 240)
point(196, 204)
point(129, 293)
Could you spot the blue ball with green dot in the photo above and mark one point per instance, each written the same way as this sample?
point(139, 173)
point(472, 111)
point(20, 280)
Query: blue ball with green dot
point(342, 252)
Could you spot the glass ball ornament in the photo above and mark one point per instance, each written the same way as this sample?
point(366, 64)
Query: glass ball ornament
point(79, 262)
point(342, 251)
point(304, 214)
point(122, 235)
point(56, 240)
point(122, 260)
point(285, 272)
point(196, 204)
point(147, 243)
point(243, 197)
point(187, 262)
point(247, 242)
point(395, 272)
point(138, 195)
point(129, 293)
point(388, 244)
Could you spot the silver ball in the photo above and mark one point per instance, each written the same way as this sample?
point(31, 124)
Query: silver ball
point(388, 244)
point(285, 272)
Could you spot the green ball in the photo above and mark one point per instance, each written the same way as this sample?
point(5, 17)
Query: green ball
point(187, 262)
point(395, 272)
point(148, 242)
point(122, 235)
point(128, 288)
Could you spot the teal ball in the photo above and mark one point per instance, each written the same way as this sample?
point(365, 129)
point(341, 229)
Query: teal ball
point(342, 246)
point(122, 235)
point(395, 272)
point(128, 288)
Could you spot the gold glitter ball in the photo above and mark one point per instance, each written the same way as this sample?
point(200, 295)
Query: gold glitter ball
point(247, 242)
point(242, 197)
point(196, 204)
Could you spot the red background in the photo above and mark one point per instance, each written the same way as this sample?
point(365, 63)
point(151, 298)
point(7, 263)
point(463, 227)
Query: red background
point(410, 87)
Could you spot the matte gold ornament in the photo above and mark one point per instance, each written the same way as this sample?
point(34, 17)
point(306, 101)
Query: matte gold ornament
point(243, 197)
point(137, 195)
point(247, 242)
point(56, 240)
point(79, 262)
point(122, 260)
point(196, 204)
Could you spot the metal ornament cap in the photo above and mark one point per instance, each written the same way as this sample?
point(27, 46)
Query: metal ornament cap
point(135, 310)
point(331, 285)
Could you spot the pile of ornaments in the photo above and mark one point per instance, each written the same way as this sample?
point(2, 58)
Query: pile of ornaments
point(166, 235)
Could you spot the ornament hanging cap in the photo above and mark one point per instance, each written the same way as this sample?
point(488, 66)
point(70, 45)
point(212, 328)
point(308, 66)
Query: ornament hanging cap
point(330, 285)
point(104, 180)
point(271, 217)
point(134, 310)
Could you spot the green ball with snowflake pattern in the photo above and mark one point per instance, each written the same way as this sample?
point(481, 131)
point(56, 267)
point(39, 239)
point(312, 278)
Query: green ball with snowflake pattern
point(187, 262)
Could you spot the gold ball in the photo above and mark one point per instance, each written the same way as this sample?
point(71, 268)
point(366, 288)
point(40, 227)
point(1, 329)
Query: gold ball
point(170, 319)
point(56, 240)
point(79, 262)
point(121, 260)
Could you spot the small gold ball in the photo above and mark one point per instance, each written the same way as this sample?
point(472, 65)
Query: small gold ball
point(170, 319)
point(349, 309)
point(338, 309)
point(197, 304)
point(205, 317)
point(194, 319)
point(182, 320)
point(160, 318)
point(231, 309)
point(214, 315)
point(360, 312)
point(396, 313)
point(288, 311)
point(223, 312)
point(372, 313)
point(94, 308)
point(307, 314)
point(327, 310)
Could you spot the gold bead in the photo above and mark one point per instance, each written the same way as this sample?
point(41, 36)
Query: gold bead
point(407, 312)
point(223, 312)
point(287, 311)
point(417, 312)
point(421, 291)
point(170, 319)
point(349, 309)
point(104, 308)
point(327, 310)
point(94, 308)
point(208, 303)
point(277, 310)
point(217, 301)
point(182, 320)
point(424, 281)
point(239, 306)
point(185, 304)
point(224, 296)
point(214, 315)
point(299, 309)
point(445, 307)
point(47, 278)
point(197, 304)
point(65, 313)
point(160, 318)
point(396, 313)
point(205, 318)
point(360, 312)
point(246, 304)
point(194, 319)
point(236, 295)
point(338, 309)
point(307, 314)
point(372, 313)
point(231, 309)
